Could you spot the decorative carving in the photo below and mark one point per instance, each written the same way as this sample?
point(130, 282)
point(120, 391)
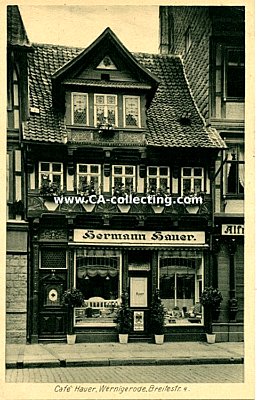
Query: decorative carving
point(53, 234)
point(35, 203)
point(232, 245)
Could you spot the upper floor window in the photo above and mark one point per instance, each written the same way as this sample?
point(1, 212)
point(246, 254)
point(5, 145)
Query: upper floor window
point(123, 178)
point(105, 109)
point(13, 102)
point(131, 111)
point(88, 178)
point(192, 180)
point(234, 171)
point(158, 179)
point(51, 171)
point(235, 73)
point(79, 109)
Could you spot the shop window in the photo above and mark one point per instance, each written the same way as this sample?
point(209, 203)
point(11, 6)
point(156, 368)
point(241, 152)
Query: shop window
point(180, 284)
point(158, 179)
point(52, 259)
point(105, 108)
point(53, 172)
point(89, 178)
point(98, 278)
point(235, 73)
point(123, 179)
point(192, 180)
point(234, 169)
point(79, 109)
point(131, 106)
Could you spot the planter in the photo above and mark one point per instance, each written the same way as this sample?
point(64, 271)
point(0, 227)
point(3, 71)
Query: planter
point(123, 338)
point(210, 337)
point(71, 339)
point(158, 209)
point(159, 339)
point(124, 208)
point(51, 205)
point(88, 207)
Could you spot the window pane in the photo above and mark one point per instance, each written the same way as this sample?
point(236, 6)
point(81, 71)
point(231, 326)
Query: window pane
point(117, 181)
point(94, 169)
point(45, 167)
point(197, 185)
point(79, 109)
point(99, 99)
point(236, 73)
point(110, 99)
point(57, 179)
point(129, 183)
point(198, 171)
point(186, 171)
point(129, 170)
point(153, 183)
point(163, 183)
point(118, 170)
point(152, 171)
point(100, 115)
point(186, 185)
point(111, 115)
point(82, 168)
point(131, 111)
point(57, 167)
point(164, 171)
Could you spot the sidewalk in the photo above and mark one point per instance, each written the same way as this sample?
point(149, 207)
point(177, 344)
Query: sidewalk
point(105, 354)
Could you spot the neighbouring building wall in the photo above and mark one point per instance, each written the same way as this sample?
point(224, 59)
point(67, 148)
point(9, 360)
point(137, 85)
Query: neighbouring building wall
point(190, 40)
point(16, 283)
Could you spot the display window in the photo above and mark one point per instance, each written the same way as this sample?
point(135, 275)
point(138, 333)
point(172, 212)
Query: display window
point(180, 284)
point(98, 277)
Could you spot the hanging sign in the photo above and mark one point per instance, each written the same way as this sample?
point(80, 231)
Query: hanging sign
point(138, 321)
point(128, 238)
point(235, 230)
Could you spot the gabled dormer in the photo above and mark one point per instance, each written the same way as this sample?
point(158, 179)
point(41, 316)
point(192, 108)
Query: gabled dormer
point(104, 86)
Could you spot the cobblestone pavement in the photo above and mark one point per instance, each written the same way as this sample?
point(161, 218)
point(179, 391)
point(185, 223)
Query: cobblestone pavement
point(131, 374)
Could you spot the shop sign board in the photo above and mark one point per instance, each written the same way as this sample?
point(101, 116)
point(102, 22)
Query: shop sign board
point(128, 238)
point(138, 321)
point(235, 230)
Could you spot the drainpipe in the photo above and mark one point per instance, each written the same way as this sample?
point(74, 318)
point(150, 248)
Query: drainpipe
point(233, 304)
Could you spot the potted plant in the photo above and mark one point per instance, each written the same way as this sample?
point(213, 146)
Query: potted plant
point(124, 319)
point(71, 298)
point(211, 299)
point(157, 318)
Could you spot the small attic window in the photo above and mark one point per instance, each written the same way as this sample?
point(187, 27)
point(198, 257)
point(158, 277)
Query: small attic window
point(185, 119)
point(105, 77)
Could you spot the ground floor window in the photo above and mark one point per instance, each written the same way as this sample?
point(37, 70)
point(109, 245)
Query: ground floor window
point(98, 277)
point(180, 284)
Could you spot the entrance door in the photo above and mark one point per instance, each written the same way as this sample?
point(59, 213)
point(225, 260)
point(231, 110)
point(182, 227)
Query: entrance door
point(52, 315)
point(139, 270)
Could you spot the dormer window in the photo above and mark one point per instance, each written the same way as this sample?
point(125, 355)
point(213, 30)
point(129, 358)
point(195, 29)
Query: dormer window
point(79, 109)
point(105, 107)
point(131, 111)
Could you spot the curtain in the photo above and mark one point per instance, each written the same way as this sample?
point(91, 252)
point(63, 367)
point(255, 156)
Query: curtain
point(241, 167)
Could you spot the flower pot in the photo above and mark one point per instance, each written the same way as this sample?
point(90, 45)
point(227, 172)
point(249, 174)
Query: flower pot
point(124, 208)
point(158, 209)
point(210, 338)
point(88, 207)
point(51, 205)
point(71, 339)
point(159, 339)
point(123, 338)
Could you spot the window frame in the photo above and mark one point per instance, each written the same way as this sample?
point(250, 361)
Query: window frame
point(226, 97)
point(123, 175)
point(157, 176)
point(192, 178)
point(72, 108)
point(237, 195)
point(50, 173)
point(105, 105)
point(139, 111)
point(89, 174)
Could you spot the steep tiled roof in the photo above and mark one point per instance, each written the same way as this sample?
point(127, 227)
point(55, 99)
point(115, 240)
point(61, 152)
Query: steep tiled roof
point(16, 33)
point(172, 119)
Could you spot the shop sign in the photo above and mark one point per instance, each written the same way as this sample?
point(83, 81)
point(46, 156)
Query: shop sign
point(138, 321)
point(235, 230)
point(163, 238)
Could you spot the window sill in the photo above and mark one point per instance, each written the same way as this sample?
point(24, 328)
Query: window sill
point(233, 197)
point(233, 99)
